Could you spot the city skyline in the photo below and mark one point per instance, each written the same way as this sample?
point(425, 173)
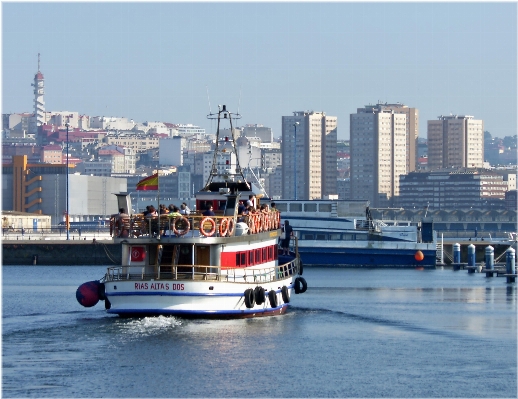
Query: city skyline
point(160, 61)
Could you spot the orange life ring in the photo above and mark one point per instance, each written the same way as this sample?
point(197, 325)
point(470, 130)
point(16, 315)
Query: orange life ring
point(250, 221)
point(223, 227)
point(186, 224)
point(211, 231)
point(231, 227)
point(258, 223)
point(268, 221)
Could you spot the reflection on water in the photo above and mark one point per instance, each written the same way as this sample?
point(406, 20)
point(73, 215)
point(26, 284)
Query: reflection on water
point(354, 333)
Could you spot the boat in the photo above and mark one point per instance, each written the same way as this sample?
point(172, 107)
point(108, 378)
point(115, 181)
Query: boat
point(224, 265)
point(343, 233)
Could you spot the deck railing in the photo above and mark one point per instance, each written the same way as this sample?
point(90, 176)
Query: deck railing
point(202, 273)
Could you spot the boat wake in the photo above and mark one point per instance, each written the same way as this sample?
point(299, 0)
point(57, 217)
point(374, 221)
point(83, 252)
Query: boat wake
point(148, 325)
point(400, 325)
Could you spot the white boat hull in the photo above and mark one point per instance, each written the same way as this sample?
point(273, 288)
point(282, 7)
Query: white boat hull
point(192, 298)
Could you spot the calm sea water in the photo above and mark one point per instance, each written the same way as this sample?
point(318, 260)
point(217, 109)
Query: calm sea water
point(354, 333)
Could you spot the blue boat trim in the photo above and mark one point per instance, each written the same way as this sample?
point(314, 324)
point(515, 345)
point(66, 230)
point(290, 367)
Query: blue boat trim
point(161, 293)
point(196, 312)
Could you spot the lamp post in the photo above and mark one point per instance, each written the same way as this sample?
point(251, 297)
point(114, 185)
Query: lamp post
point(67, 217)
point(295, 156)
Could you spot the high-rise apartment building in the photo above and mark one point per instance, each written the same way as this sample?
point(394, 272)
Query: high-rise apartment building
point(455, 141)
point(380, 139)
point(309, 155)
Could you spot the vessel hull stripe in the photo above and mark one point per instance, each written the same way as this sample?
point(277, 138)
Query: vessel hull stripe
point(160, 293)
point(231, 312)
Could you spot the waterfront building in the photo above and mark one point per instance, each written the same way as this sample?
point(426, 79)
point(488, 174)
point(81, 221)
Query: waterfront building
point(137, 142)
point(379, 137)
point(170, 151)
point(95, 168)
point(122, 159)
point(455, 141)
point(52, 153)
point(17, 125)
point(447, 189)
point(309, 155)
point(111, 123)
point(41, 188)
point(259, 131)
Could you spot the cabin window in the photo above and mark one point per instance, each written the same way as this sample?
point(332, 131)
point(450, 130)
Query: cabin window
point(334, 237)
point(282, 207)
point(241, 259)
point(257, 256)
point(265, 254)
point(324, 207)
point(321, 237)
point(310, 207)
point(307, 237)
point(251, 258)
point(296, 207)
point(348, 236)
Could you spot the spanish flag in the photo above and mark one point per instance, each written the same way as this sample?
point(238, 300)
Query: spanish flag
point(148, 183)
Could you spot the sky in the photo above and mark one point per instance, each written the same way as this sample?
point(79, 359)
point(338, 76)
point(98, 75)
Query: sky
point(177, 61)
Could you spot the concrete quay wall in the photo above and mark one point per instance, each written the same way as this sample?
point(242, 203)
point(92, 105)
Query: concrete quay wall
point(61, 252)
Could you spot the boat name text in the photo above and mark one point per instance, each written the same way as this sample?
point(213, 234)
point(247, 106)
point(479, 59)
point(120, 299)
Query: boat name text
point(159, 286)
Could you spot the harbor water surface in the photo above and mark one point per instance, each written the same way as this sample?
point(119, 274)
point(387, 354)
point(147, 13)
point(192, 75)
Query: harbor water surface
point(354, 333)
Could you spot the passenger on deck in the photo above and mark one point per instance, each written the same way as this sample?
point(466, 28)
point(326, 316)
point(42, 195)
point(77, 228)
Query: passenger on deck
point(241, 208)
point(184, 209)
point(163, 210)
point(251, 201)
point(174, 212)
point(123, 223)
point(287, 231)
point(209, 211)
point(152, 211)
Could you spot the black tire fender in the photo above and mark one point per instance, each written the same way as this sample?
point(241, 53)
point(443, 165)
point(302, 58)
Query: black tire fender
point(285, 294)
point(272, 297)
point(249, 298)
point(300, 285)
point(260, 296)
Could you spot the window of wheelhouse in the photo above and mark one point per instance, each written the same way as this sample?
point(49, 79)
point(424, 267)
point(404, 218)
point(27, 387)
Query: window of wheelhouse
point(241, 259)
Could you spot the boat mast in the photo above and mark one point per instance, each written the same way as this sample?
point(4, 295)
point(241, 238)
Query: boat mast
point(225, 163)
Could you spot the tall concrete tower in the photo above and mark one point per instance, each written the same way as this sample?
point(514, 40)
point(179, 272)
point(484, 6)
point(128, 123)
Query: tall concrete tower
point(455, 141)
point(39, 103)
point(379, 140)
point(309, 155)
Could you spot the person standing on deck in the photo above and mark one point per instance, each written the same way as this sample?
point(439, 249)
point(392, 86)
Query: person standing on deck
point(287, 230)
